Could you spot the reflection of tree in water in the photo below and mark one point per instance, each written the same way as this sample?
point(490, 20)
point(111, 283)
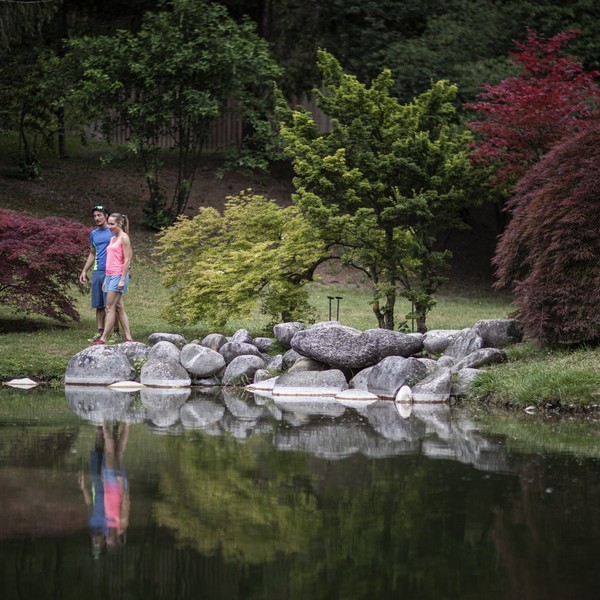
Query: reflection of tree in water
point(553, 522)
point(235, 499)
point(339, 529)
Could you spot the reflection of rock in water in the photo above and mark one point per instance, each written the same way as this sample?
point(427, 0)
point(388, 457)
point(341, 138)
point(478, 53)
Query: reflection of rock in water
point(99, 404)
point(162, 404)
point(241, 404)
point(201, 414)
point(387, 421)
point(316, 406)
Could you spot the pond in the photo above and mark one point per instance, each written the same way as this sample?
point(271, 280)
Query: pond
point(236, 496)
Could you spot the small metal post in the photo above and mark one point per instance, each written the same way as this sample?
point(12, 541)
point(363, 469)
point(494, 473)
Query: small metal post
point(330, 301)
point(337, 316)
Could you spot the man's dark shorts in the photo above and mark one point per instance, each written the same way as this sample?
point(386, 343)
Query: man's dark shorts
point(98, 296)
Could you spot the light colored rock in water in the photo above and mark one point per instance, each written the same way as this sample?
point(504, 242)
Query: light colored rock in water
point(310, 383)
point(434, 388)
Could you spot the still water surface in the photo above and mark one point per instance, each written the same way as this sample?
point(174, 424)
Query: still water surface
point(236, 496)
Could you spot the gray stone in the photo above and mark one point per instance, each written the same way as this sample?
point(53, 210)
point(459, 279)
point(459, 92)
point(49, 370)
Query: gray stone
point(499, 333)
point(289, 358)
point(345, 347)
point(310, 383)
point(480, 358)
point(266, 384)
point(164, 350)
point(434, 388)
point(231, 350)
point(242, 336)
point(99, 365)
point(264, 344)
point(361, 380)
point(275, 364)
point(389, 375)
point(174, 338)
point(214, 341)
point(446, 361)
point(134, 351)
point(437, 340)
point(241, 370)
point(167, 373)
point(201, 361)
point(284, 332)
point(464, 343)
point(431, 365)
point(211, 382)
point(262, 375)
point(462, 381)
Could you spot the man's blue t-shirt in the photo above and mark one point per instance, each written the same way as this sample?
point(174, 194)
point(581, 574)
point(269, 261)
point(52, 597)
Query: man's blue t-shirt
point(99, 239)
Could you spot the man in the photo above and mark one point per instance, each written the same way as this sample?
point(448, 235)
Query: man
point(99, 240)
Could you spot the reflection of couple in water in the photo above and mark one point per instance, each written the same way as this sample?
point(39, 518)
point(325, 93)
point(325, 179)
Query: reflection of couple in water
point(108, 496)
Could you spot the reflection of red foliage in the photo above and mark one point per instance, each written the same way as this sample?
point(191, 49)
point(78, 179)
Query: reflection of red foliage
point(524, 116)
point(40, 261)
point(550, 251)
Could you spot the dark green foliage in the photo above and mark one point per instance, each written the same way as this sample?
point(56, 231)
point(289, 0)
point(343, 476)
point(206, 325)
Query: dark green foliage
point(550, 252)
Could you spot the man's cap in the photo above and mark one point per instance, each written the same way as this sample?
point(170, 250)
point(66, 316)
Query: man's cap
point(101, 207)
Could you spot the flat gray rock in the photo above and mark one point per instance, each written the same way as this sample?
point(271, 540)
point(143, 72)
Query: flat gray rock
point(310, 383)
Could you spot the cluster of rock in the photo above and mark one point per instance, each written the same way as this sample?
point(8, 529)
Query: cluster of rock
point(324, 360)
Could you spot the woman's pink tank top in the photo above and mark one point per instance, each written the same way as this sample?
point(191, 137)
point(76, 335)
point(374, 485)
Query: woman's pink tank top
point(115, 259)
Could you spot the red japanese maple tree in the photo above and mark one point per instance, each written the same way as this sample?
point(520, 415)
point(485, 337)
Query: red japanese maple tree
point(523, 117)
point(40, 260)
point(549, 253)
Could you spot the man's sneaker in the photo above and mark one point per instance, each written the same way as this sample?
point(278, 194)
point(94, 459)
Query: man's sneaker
point(114, 338)
point(95, 338)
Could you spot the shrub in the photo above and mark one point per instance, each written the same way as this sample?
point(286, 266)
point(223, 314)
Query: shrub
point(550, 252)
point(40, 260)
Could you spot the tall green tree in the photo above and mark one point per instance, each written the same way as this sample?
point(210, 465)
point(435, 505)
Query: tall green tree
point(189, 64)
point(385, 184)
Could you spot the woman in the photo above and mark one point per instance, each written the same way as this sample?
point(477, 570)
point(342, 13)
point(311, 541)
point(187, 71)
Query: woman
point(118, 260)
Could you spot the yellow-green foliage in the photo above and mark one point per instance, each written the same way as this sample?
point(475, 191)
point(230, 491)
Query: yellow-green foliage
point(218, 266)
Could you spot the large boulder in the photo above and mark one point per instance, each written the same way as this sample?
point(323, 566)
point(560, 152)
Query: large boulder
point(242, 336)
point(201, 361)
point(499, 333)
point(389, 375)
point(99, 365)
point(345, 347)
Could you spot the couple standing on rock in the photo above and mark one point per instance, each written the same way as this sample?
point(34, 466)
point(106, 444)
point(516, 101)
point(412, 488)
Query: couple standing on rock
point(111, 254)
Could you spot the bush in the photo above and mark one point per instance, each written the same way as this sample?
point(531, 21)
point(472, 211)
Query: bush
point(40, 260)
point(550, 252)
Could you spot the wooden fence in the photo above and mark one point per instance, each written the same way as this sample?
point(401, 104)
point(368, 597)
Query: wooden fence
point(227, 131)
